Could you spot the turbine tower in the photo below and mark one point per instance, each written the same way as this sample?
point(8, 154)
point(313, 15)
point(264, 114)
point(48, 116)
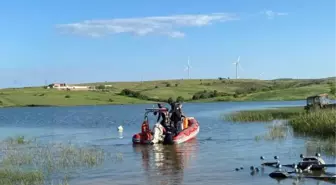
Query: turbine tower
point(188, 68)
point(237, 63)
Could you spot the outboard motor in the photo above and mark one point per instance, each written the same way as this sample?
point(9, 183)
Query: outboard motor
point(168, 140)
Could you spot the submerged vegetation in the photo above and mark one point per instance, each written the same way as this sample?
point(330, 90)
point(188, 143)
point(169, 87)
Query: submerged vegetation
point(326, 146)
point(29, 162)
point(275, 132)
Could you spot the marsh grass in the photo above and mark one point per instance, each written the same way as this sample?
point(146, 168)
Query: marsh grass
point(325, 146)
point(20, 177)
point(277, 131)
point(319, 123)
point(264, 115)
point(30, 161)
point(56, 157)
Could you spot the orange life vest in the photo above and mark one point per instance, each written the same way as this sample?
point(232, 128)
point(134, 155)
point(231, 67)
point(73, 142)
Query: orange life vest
point(145, 127)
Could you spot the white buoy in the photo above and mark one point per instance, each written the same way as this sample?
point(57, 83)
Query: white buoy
point(120, 128)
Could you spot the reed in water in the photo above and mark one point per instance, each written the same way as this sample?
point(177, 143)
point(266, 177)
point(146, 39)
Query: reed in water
point(264, 115)
point(31, 163)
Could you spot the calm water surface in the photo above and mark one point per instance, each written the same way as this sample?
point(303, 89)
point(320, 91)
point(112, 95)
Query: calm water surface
point(210, 159)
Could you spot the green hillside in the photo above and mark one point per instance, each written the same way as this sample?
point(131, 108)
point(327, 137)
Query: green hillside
point(199, 90)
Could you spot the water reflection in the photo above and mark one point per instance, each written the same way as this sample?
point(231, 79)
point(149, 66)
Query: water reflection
point(166, 164)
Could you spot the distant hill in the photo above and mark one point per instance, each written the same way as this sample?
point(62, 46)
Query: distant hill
point(195, 90)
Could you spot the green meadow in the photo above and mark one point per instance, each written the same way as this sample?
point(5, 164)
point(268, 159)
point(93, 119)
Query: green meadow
point(196, 90)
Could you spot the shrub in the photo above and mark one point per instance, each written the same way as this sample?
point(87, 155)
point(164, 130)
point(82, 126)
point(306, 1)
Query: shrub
point(170, 100)
point(101, 87)
point(333, 90)
point(179, 99)
point(67, 96)
point(208, 94)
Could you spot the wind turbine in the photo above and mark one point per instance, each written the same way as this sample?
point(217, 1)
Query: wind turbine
point(237, 63)
point(188, 68)
point(261, 75)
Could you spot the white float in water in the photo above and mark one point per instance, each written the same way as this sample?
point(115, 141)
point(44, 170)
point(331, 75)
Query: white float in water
point(120, 128)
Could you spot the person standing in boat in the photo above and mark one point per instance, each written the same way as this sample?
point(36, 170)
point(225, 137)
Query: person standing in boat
point(164, 116)
point(176, 115)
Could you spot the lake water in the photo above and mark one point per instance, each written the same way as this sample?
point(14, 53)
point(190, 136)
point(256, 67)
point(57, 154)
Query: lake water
point(210, 159)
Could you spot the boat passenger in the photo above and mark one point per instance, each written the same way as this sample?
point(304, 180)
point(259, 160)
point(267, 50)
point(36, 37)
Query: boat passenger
point(164, 116)
point(176, 115)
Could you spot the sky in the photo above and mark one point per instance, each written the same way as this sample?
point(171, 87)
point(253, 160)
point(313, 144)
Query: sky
point(131, 40)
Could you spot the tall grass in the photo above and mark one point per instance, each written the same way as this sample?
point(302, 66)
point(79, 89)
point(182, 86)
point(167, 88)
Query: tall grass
point(275, 132)
point(32, 163)
point(11, 177)
point(264, 115)
point(319, 123)
point(325, 146)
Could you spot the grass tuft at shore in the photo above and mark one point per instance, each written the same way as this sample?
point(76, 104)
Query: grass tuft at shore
point(264, 115)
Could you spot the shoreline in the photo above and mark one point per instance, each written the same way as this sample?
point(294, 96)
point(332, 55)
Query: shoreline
point(141, 103)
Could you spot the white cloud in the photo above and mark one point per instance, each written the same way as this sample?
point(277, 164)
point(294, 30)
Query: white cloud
point(163, 25)
point(271, 14)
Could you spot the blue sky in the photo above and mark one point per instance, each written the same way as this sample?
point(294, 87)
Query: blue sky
point(126, 40)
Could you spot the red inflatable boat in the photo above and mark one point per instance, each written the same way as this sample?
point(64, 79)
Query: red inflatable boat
point(190, 131)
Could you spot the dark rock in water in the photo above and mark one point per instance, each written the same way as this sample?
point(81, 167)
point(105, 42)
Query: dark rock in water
point(237, 169)
point(241, 168)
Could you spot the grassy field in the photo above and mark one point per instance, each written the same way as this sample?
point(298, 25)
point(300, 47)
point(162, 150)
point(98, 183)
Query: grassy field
point(198, 90)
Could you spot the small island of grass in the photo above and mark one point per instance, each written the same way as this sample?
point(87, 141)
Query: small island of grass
point(318, 123)
point(264, 114)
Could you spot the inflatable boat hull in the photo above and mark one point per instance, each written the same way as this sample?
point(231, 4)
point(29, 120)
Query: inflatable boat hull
point(183, 136)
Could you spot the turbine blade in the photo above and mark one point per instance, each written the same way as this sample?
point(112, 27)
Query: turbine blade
point(238, 59)
point(240, 67)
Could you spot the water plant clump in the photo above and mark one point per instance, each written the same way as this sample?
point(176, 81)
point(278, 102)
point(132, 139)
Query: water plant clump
point(325, 146)
point(28, 162)
point(264, 115)
point(277, 131)
point(319, 123)
point(16, 176)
